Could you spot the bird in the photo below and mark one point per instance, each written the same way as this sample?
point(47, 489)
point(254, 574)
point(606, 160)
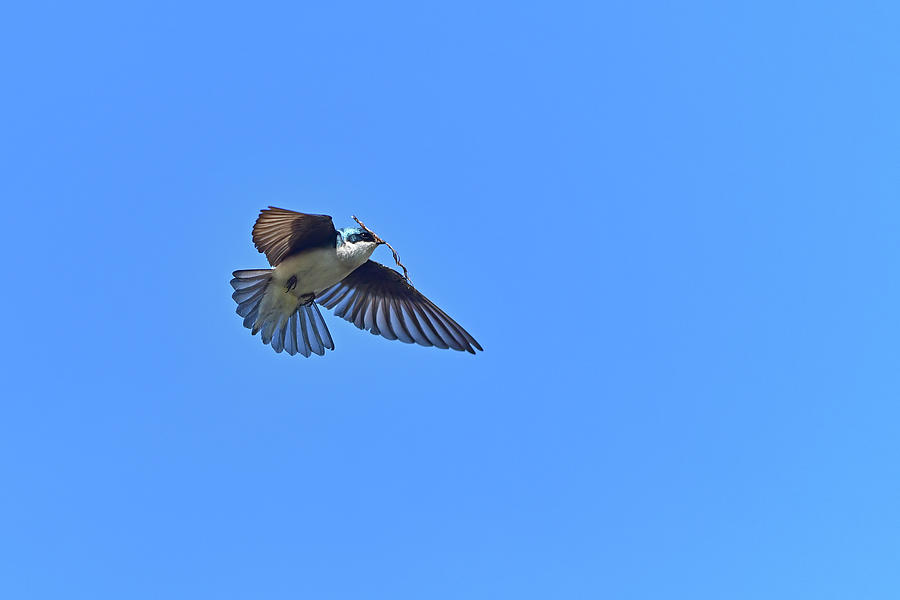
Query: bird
point(315, 264)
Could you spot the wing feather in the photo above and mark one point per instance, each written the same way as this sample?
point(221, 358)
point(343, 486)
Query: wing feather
point(280, 233)
point(378, 299)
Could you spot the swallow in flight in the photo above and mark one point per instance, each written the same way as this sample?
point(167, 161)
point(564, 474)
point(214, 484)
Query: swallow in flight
point(312, 262)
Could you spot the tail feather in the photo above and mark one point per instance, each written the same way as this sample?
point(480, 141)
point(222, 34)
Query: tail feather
point(268, 328)
point(278, 322)
point(290, 336)
point(278, 335)
point(319, 337)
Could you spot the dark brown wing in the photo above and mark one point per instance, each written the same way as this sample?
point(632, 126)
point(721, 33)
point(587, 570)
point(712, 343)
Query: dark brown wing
point(280, 233)
point(378, 299)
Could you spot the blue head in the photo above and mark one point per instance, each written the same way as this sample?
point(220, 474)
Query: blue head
point(353, 235)
point(355, 246)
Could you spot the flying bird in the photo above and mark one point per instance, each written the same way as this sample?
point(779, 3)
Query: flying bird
point(312, 262)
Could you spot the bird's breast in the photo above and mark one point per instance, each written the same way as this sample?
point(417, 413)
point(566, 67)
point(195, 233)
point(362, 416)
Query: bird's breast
point(315, 270)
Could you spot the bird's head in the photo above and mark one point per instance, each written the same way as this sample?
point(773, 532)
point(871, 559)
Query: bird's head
point(355, 235)
point(356, 245)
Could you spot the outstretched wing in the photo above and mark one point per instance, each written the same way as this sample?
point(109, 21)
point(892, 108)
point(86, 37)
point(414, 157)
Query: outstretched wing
point(378, 299)
point(280, 233)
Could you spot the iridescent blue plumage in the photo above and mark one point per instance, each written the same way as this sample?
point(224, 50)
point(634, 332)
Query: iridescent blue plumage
point(313, 262)
point(351, 235)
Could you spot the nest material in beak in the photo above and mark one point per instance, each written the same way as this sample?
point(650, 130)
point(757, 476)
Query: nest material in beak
point(380, 241)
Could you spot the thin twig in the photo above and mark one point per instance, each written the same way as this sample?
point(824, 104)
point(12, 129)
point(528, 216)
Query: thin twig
point(381, 241)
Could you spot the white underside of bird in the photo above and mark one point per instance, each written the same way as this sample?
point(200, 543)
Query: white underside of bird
point(315, 270)
point(313, 264)
point(280, 304)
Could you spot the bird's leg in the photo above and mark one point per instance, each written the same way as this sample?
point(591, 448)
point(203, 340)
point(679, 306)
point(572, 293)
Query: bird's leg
point(291, 284)
point(306, 299)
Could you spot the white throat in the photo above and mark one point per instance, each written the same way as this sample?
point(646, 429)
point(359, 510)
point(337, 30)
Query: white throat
point(355, 254)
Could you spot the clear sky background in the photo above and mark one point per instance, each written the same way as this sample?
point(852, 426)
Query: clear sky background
point(672, 226)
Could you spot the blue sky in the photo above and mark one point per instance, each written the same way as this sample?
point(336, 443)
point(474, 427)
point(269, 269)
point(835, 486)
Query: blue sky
point(673, 228)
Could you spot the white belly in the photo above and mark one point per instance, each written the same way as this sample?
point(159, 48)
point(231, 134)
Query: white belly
point(315, 270)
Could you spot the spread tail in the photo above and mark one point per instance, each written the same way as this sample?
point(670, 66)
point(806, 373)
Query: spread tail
point(278, 315)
